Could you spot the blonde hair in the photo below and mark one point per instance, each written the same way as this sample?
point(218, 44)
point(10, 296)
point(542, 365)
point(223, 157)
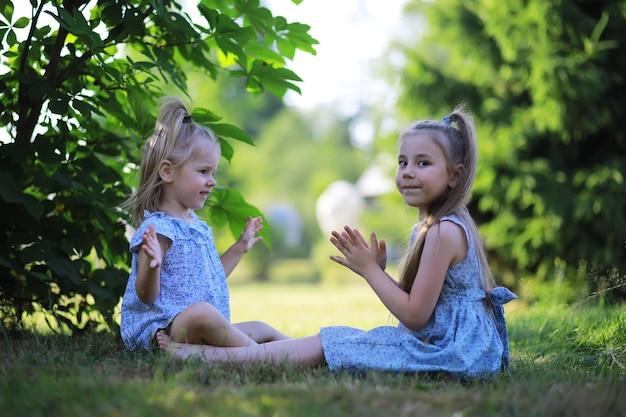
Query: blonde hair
point(456, 136)
point(175, 138)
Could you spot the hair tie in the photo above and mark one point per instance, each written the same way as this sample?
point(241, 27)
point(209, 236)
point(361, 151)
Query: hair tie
point(187, 119)
point(447, 120)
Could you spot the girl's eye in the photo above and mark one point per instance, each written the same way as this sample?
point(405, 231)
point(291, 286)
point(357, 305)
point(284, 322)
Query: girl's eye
point(402, 164)
point(422, 163)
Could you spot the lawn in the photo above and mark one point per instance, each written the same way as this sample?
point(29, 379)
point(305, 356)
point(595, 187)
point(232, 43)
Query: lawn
point(567, 360)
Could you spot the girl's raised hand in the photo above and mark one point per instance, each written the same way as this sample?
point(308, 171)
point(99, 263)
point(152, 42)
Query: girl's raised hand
point(151, 247)
point(381, 246)
point(358, 255)
point(247, 237)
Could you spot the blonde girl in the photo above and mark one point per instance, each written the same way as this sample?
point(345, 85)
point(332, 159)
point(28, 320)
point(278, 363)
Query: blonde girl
point(177, 283)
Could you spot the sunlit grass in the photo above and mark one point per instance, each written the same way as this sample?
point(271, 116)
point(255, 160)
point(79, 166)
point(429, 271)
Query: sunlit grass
point(301, 309)
point(298, 304)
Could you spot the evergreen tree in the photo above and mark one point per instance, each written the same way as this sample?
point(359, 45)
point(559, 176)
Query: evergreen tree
point(545, 82)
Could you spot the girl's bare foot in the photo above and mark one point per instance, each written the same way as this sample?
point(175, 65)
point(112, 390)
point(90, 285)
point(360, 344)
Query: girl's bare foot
point(167, 345)
point(174, 349)
point(163, 340)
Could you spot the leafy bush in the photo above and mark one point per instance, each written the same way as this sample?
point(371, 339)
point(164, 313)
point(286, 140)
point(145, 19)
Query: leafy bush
point(78, 92)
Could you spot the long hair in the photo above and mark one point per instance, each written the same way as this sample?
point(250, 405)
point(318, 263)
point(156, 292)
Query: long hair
point(456, 136)
point(175, 138)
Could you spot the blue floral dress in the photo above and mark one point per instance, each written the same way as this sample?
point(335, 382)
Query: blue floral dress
point(191, 272)
point(466, 335)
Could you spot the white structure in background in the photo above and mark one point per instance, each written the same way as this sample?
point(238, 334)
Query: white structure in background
point(375, 182)
point(339, 205)
point(342, 202)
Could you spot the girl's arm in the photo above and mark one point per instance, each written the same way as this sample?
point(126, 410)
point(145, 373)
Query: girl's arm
point(149, 260)
point(445, 245)
point(230, 258)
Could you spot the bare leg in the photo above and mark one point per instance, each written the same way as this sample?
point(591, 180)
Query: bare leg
point(303, 351)
point(260, 332)
point(202, 323)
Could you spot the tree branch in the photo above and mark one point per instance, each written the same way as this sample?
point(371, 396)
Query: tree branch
point(29, 110)
point(22, 97)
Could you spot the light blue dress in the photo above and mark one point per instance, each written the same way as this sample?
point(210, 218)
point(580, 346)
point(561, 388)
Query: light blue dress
point(466, 336)
point(191, 272)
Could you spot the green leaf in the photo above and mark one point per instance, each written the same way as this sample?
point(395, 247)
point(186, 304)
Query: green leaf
point(10, 193)
point(133, 23)
point(230, 131)
point(6, 10)
point(257, 51)
point(204, 116)
point(274, 79)
point(227, 150)
point(59, 106)
point(141, 105)
point(21, 23)
point(61, 266)
point(43, 32)
point(209, 14)
point(11, 37)
point(48, 152)
point(299, 36)
point(77, 24)
point(253, 85)
point(84, 107)
point(112, 13)
point(286, 48)
point(228, 205)
point(231, 38)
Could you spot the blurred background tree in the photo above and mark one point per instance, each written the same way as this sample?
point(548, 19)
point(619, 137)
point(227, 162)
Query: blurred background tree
point(545, 82)
point(79, 83)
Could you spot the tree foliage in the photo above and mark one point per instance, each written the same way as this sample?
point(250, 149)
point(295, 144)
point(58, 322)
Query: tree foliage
point(545, 82)
point(79, 80)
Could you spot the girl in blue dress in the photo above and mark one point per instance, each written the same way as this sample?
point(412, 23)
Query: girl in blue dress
point(449, 309)
point(177, 283)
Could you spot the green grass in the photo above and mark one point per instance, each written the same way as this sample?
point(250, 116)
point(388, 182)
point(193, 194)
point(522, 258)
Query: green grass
point(565, 361)
point(300, 309)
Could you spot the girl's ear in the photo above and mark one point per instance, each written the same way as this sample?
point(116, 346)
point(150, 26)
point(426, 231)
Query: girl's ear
point(453, 178)
point(165, 171)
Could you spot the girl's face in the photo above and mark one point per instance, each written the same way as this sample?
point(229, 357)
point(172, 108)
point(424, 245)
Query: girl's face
point(422, 175)
point(191, 183)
